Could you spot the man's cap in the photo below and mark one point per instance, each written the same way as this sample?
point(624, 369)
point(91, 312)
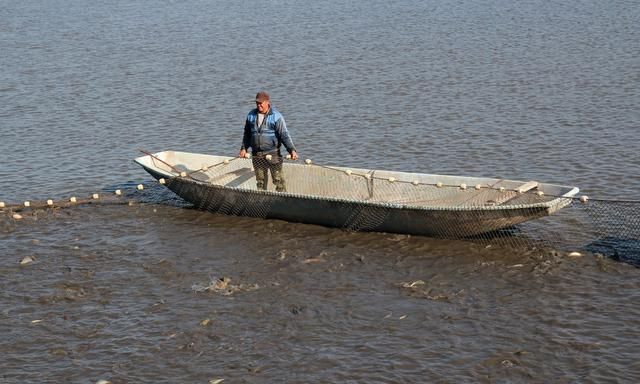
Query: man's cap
point(262, 96)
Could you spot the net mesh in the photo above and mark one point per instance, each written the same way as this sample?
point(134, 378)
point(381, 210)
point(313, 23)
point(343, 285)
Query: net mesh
point(490, 211)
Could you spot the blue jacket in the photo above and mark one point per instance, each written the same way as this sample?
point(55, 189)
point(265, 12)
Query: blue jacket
point(269, 136)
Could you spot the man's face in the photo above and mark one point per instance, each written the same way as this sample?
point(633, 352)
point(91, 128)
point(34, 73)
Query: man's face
point(263, 106)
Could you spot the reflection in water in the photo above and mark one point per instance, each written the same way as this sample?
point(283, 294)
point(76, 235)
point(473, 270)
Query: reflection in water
point(621, 249)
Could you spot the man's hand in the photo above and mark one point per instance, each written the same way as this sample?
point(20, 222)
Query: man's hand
point(294, 155)
point(243, 153)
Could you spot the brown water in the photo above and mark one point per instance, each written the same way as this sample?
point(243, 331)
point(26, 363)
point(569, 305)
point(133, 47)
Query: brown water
point(118, 292)
point(544, 91)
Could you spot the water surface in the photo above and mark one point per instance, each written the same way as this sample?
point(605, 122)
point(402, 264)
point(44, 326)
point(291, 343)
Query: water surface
point(535, 90)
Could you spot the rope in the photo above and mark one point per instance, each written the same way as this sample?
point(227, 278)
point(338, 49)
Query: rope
point(160, 160)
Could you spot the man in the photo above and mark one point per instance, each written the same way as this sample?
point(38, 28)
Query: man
point(264, 132)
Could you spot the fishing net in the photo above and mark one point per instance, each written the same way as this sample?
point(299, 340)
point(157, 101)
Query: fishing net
point(494, 212)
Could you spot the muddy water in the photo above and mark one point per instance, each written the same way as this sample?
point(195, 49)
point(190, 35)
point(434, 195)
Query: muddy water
point(148, 293)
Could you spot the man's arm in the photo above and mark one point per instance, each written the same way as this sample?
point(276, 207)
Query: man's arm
point(285, 138)
point(246, 139)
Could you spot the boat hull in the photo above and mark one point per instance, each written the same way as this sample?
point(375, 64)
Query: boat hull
point(454, 223)
point(358, 200)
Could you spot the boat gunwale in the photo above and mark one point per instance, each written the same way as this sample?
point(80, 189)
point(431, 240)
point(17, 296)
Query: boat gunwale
point(552, 205)
point(548, 205)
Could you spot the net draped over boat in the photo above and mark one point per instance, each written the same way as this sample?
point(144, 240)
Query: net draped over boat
point(370, 200)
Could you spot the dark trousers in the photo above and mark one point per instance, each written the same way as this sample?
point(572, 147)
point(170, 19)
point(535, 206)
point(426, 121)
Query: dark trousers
point(262, 167)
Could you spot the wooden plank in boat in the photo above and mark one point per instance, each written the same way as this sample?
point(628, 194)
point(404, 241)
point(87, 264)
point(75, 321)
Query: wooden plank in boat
point(243, 174)
point(527, 186)
point(509, 195)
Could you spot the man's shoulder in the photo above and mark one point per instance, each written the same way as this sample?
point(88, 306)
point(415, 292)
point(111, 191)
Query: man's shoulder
point(276, 114)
